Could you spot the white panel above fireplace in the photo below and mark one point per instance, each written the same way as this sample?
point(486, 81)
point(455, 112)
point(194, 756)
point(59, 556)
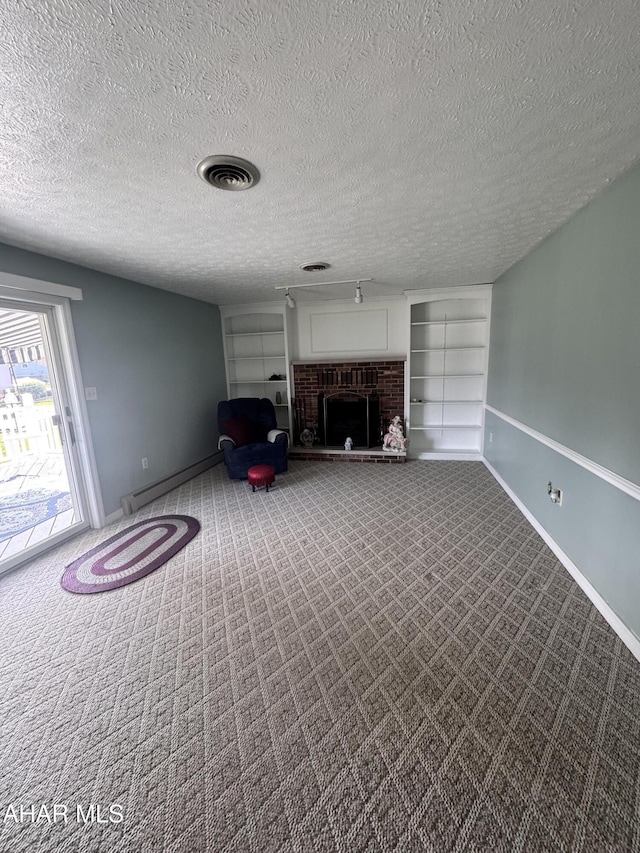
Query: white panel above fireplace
point(350, 331)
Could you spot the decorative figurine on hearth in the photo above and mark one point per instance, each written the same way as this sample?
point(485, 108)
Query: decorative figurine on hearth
point(394, 440)
point(348, 445)
point(307, 438)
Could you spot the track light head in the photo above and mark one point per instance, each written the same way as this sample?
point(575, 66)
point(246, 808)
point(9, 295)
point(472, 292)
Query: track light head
point(291, 302)
point(358, 297)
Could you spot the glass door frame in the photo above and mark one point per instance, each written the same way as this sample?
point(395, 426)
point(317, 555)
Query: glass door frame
point(53, 301)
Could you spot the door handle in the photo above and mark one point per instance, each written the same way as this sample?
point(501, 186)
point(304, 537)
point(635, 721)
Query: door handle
point(72, 432)
point(56, 420)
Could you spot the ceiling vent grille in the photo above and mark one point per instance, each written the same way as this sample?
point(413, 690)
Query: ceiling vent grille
point(315, 266)
point(228, 173)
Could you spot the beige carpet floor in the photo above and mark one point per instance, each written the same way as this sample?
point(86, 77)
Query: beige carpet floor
point(367, 658)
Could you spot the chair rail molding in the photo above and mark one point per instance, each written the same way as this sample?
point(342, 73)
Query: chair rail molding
point(630, 488)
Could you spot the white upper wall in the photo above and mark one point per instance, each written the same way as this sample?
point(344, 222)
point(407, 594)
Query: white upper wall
point(338, 329)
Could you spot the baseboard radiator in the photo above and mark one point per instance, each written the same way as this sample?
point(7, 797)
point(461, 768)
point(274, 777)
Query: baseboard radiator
point(132, 503)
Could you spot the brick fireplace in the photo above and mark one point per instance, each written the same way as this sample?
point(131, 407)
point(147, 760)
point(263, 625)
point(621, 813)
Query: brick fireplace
point(380, 382)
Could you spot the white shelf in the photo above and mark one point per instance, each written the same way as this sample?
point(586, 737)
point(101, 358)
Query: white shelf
point(448, 322)
point(255, 358)
point(441, 427)
point(446, 402)
point(448, 356)
point(256, 347)
point(252, 334)
point(447, 376)
point(450, 453)
point(450, 349)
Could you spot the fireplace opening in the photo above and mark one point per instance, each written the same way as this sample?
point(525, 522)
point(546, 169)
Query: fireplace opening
point(347, 414)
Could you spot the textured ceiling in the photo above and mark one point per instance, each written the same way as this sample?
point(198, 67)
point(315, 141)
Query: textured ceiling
point(423, 144)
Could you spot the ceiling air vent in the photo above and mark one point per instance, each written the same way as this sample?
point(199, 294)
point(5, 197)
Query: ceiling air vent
point(228, 173)
point(315, 266)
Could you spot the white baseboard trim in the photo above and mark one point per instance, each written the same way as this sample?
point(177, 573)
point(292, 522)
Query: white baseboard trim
point(631, 641)
point(132, 503)
point(113, 516)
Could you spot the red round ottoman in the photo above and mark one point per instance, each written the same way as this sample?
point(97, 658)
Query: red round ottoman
point(261, 475)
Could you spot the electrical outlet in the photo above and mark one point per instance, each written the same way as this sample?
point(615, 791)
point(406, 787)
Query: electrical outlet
point(90, 393)
point(490, 438)
point(145, 462)
point(555, 495)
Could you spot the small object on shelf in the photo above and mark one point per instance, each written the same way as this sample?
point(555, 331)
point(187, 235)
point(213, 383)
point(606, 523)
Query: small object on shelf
point(278, 398)
point(395, 440)
point(348, 445)
point(275, 377)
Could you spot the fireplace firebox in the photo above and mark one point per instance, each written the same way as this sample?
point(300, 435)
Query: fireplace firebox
point(347, 414)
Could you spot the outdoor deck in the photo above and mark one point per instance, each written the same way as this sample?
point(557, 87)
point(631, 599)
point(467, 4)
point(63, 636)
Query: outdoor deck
point(23, 474)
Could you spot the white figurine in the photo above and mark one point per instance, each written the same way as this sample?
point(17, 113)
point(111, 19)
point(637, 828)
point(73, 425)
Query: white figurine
point(394, 440)
point(348, 444)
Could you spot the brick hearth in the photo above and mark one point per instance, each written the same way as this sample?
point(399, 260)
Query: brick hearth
point(334, 455)
point(386, 377)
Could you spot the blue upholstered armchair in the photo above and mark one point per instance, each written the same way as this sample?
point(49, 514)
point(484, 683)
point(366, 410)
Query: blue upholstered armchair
point(249, 436)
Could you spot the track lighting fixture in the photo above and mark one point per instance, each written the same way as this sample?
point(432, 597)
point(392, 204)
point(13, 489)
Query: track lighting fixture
point(291, 302)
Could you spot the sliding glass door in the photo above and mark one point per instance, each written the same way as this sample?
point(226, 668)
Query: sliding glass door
point(42, 492)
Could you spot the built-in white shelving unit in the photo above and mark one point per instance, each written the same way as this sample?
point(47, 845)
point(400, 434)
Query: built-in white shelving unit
point(447, 372)
point(256, 348)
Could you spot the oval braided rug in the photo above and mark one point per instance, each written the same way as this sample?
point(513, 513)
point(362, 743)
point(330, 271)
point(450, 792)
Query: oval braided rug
point(130, 554)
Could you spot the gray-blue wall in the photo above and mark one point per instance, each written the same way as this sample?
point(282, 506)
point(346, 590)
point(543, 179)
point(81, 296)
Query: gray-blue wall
point(565, 361)
point(157, 362)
